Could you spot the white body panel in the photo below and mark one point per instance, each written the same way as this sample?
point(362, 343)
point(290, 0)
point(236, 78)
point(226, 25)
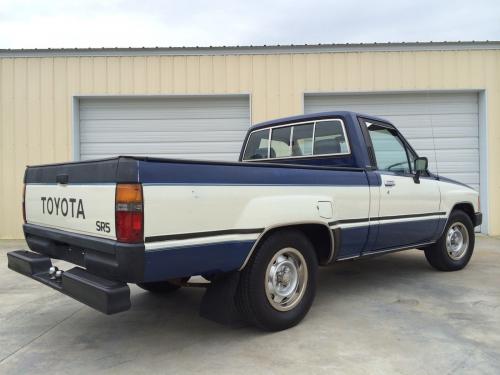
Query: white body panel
point(400, 195)
point(73, 208)
point(452, 194)
point(189, 209)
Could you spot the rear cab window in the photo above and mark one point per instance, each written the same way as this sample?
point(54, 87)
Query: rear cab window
point(322, 137)
point(257, 145)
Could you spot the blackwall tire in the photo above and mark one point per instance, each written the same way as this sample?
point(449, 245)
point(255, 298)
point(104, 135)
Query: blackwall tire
point(278, 285)
point(454, 249)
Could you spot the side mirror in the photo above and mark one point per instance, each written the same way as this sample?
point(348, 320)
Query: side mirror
point(421, 165)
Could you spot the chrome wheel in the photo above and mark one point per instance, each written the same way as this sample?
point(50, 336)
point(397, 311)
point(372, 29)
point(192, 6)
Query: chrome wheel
point(457, 241)
point(286, 279)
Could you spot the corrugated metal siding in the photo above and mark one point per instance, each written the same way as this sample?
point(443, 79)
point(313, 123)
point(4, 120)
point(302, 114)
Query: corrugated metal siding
point(209, 128)
point(36, 96)
point(444, 127)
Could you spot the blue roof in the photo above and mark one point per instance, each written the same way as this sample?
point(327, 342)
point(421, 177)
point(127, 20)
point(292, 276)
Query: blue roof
point(313, 116)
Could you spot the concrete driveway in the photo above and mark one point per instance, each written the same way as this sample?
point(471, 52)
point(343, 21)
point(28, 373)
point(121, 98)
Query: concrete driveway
point(392, 314)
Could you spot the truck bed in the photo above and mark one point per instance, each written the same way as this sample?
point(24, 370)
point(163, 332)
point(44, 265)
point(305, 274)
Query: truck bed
point(190, 208)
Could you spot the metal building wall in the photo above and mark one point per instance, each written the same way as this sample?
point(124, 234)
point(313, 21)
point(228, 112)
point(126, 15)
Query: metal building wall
point(36, 95)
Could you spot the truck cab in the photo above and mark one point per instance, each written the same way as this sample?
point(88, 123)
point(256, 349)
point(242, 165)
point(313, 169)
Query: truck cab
point(406, 206)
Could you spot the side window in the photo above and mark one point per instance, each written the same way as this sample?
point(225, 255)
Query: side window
point(280, 142)
point(302, 139)
point(390, 152)
point(329, 138)
point(257, 145)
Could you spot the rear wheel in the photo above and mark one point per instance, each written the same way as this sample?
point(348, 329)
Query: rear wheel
point(454, 249)
point(162, 286)
point(278, 285)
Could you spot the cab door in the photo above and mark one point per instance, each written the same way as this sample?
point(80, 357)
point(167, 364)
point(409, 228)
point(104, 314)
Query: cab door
point(409, 207)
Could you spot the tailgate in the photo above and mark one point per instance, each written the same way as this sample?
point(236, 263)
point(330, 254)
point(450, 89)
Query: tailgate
point(86, 209)
point(77, 197)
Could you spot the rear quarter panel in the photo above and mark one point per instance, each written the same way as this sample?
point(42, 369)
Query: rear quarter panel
point(195, 208)
point(190, 198)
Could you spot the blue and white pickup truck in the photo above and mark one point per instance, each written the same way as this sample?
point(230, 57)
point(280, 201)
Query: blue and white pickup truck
point(307, 191)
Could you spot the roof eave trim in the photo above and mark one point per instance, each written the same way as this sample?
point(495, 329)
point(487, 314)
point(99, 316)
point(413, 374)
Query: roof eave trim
point(254, 50)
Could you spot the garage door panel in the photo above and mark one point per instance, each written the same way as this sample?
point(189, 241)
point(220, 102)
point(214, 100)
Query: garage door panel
point(181, 127)
point(164, 125)
point(455, 100)
point(466, 178)
point(445, 143)
point(399, 98)
point(451, 156)
point(171, 108)
point(149, 103)
point(166, 137)
point(442, 126)
point(415, 133)
point(456, 167)
point(402, 110)
point(174, 114)
point(194, 156)
point(175, 148)
point(435, 120)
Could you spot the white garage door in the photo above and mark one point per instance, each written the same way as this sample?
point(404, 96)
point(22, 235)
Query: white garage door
point(443, 127)
point(210, 128)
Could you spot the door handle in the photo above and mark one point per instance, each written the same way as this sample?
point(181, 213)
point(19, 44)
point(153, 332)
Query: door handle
point(389, 183)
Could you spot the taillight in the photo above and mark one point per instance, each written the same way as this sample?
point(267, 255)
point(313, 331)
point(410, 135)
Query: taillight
point(24, 204)
point(129, 213)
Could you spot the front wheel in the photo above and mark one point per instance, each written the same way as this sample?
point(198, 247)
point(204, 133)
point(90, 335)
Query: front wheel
point(278, 286)
point(454, 249)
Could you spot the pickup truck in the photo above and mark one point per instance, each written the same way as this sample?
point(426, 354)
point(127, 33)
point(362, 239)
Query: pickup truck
point(307, 191)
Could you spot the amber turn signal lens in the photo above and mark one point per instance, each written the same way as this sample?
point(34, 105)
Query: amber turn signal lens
point(128, 193)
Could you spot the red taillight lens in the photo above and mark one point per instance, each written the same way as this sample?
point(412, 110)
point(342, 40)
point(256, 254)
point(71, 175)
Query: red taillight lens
point(24, 203)
point(129, 226)
point(129, 213)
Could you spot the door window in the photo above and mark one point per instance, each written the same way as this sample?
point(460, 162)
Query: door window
point(390, 152)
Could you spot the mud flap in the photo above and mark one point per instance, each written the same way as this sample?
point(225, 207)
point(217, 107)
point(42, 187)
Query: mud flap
point(218, 301)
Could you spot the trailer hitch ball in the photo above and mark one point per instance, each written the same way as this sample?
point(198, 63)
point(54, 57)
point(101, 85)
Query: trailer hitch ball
point(55, 273)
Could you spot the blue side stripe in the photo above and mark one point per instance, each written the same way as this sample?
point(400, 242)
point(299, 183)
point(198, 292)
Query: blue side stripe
point(389, 235)
point(72, 183)
point(202, 259)
point(215, 184)
point(152, 172)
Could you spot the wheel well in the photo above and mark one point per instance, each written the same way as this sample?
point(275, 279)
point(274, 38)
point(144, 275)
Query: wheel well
point(467, 208)
point(319, 235)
